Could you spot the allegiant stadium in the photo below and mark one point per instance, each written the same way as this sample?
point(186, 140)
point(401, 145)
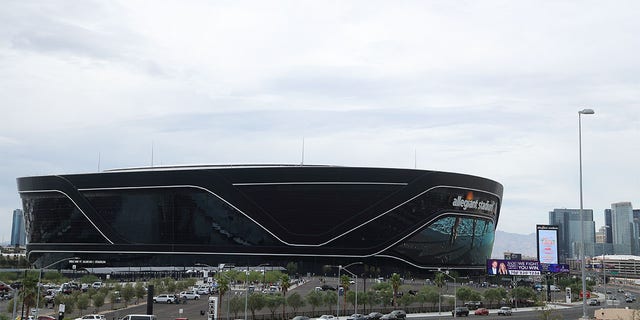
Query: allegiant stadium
point(395, 219)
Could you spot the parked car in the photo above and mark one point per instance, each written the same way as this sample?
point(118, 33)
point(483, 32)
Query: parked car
point(92, 317)
point(139, 317)
point(202, 290)
point(300, 318)
point(46, 318)
point(189, 295)
point(473, 305)
point(481, 312)
point(628, 300)
point(357, 316)
point(388, 316)
point(97, 285)
point(460, 312)
point(594, 302)
point(116, 296)
point(327, 316)
point(375, 315)
point(504, 311)
point(164, 298)
point(326, 287)
point(400, 314)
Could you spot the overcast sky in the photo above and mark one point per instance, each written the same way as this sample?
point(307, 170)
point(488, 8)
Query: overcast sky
point(488, 88)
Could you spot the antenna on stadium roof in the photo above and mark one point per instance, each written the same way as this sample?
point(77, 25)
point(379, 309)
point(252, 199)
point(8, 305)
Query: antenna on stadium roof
point(415, 158)
point(302, 162)
point(98, 161)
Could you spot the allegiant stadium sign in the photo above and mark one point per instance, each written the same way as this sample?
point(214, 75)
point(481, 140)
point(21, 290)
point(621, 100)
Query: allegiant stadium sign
point(487, 206)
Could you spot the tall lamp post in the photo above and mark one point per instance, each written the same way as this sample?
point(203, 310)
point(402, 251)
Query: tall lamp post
point(604, 266)
point(340, 267)
point(582, 253)
point(455, 292)
point(355, 309)
point(246, 296)
point(40, 280)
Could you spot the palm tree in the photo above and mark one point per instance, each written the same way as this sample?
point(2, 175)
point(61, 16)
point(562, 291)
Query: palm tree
point(439, 281)
point(284, 285)
point(395, 284)
point(29, 292)
point(344, 282)
point(223, 287)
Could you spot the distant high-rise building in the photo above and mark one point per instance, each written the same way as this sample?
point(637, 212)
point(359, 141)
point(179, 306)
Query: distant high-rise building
point(570, 225)
point(625, 240)
point(607, 224)
point(636, 229)
point(18, 234)
point(601, 235)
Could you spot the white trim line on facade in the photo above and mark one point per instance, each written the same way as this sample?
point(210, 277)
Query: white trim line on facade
point(200, 253)
point(245, 254)
point(319, 183)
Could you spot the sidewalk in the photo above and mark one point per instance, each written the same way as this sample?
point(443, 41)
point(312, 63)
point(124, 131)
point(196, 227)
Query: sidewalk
point(552, 306)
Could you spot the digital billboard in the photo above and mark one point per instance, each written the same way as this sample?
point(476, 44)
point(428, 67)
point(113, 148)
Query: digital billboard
point(558, 268)
point(547, 239)
point(512, 267)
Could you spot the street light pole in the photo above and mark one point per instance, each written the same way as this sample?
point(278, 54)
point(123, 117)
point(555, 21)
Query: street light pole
point(340, 267)
point(338, 291)
point(246, 292)
point(246, 297)
point(604, 266)
point(604, 277)
point(356, 276)
point(40, 280)
point(455, 292)
point(582, 253)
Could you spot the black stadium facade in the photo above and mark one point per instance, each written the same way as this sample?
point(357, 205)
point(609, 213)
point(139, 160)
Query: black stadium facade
point(396, 219)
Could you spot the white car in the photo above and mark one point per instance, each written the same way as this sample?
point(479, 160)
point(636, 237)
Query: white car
point(164, 298)
point(202, 290)
point(92, 317)
point(504, 311)
point(190, 295)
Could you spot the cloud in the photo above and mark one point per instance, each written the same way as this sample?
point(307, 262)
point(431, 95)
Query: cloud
point(489, 89)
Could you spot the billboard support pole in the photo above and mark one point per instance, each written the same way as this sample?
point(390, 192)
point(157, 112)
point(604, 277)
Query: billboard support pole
point(515, 285)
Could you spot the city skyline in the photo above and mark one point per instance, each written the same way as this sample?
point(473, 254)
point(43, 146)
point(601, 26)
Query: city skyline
point(490, 89)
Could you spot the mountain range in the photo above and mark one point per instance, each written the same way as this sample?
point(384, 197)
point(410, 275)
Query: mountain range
point(515, 243)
